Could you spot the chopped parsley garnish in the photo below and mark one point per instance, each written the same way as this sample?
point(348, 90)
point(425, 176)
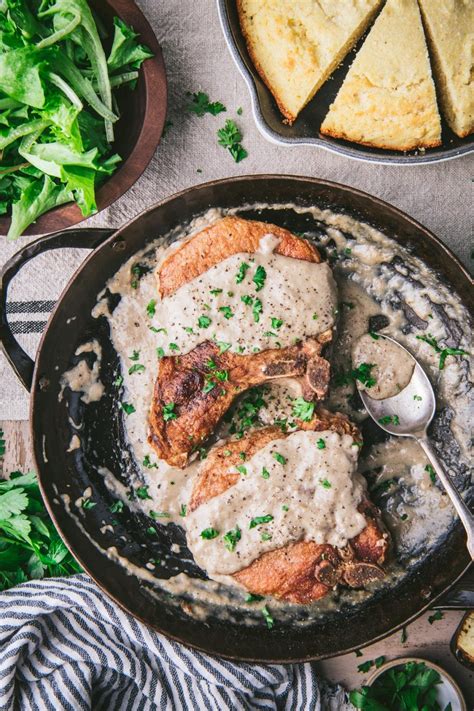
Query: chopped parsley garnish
point(315, 317)
point(148, 463)
point(137, 368)
point(209, 533)
point(135, 355)
point(259, 520)
point(247, 411)
point(137, 272)
point(326, 483)
point(226, 452)
point(151, 307)
point(431, 472)
point(127, 408)
point(183, 510)
point(116, 507)
point(348, 251)
point(88, 504)
point(208, 386)
point(285, 507)
point(230, 137)
point(158, 330)
point(265, 536)
point(365, 666)
point(240, 111)
point(268, 618)
point(389, 419)
point(361, 373)
point(374, 335)
point(279, 457)
point(259, 278)
point(169, 412)
point(142, 492)
point(276, 322)
point(160, 353)
point(204, 321)
point(243, 456)
point(257, 310)
point(241, 469)
point(188, 329)
point(321, 444)
point(223, 346)
point(438, 615)
point(231, 538)
point(302, 409)
point(243, 269)
point(443, 352)
point(270, 334)
point(254, 598)
point(151, 531)
point(215, 292)
point(404, 635)
point(173, 347)
point(159, 514)
point(265, 473)
point(201, 105)
point(417, 397)
point(118, 381)
point(248, 300)
point(226, 311)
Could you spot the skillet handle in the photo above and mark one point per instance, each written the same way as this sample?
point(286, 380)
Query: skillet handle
point(81, 238)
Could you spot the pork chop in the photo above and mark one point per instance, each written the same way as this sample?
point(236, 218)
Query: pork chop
point(303, 571)
point(193, 391)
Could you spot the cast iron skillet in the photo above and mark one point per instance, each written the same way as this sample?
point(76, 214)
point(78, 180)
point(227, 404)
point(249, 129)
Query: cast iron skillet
point(305, 130)
point(69, 474)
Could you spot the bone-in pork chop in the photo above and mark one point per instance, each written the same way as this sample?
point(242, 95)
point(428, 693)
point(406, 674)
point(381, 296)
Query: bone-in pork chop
point(202, 384)
point(303, 571)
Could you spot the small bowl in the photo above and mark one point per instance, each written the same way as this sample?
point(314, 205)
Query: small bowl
point(138, 131)
point(448, 690)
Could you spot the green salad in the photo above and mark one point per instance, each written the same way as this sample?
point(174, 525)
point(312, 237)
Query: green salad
point(57, 104)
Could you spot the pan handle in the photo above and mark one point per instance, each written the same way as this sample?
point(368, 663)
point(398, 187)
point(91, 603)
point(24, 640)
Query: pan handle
point(82, 238)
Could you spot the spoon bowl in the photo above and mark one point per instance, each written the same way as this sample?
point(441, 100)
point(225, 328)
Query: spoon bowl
point(408, 414)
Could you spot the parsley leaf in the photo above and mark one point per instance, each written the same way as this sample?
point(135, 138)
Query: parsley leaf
point(259, 278)
point(243, 269)
point(128, 408)
point(302, 409)
point(230, 137)
point(204, 321)
point(231, 538)
point(443, 352)
point(259, 520)
point(151, 307)
point(279, 457)
point(209, 533)
point(226, 311)
point(169, 412)
point(257, 310)
point(201, 105)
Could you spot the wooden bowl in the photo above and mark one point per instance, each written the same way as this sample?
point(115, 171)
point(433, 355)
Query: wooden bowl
point(138, 131)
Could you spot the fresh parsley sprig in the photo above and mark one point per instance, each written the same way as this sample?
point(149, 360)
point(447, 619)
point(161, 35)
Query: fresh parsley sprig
point(230, 137)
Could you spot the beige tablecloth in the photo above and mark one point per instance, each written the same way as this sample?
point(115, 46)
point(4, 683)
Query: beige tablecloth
point(440, 196)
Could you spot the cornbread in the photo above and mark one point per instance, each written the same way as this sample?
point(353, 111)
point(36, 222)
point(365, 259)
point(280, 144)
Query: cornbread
point(295, 45)
point(388, 98)
point(450, 28)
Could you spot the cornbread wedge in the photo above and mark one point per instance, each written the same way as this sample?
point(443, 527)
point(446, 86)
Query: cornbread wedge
point(296, 44)
point(450, 28)
point(388, 98)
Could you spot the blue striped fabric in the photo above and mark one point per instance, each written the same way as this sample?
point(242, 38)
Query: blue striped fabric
point(65, 645)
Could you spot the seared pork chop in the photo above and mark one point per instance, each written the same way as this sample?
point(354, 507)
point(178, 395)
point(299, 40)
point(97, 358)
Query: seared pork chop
point(231, 235)
point(203, 383)
point(303, 571)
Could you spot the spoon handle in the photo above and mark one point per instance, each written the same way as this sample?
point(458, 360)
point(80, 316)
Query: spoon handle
point(458, 502)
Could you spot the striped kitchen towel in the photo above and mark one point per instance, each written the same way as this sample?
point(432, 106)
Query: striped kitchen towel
point(65, 645)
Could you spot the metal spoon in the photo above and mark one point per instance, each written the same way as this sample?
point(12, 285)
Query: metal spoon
point(403, 415)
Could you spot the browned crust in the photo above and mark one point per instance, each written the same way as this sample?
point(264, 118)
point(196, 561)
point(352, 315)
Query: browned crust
point(181, 380)
point(289, 117)
point(220, 240)
point(373, 144)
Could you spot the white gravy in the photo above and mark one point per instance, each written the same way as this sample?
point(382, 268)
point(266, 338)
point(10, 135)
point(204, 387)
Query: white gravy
point(392, 367)
point(211, 306)
point(312, 493)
